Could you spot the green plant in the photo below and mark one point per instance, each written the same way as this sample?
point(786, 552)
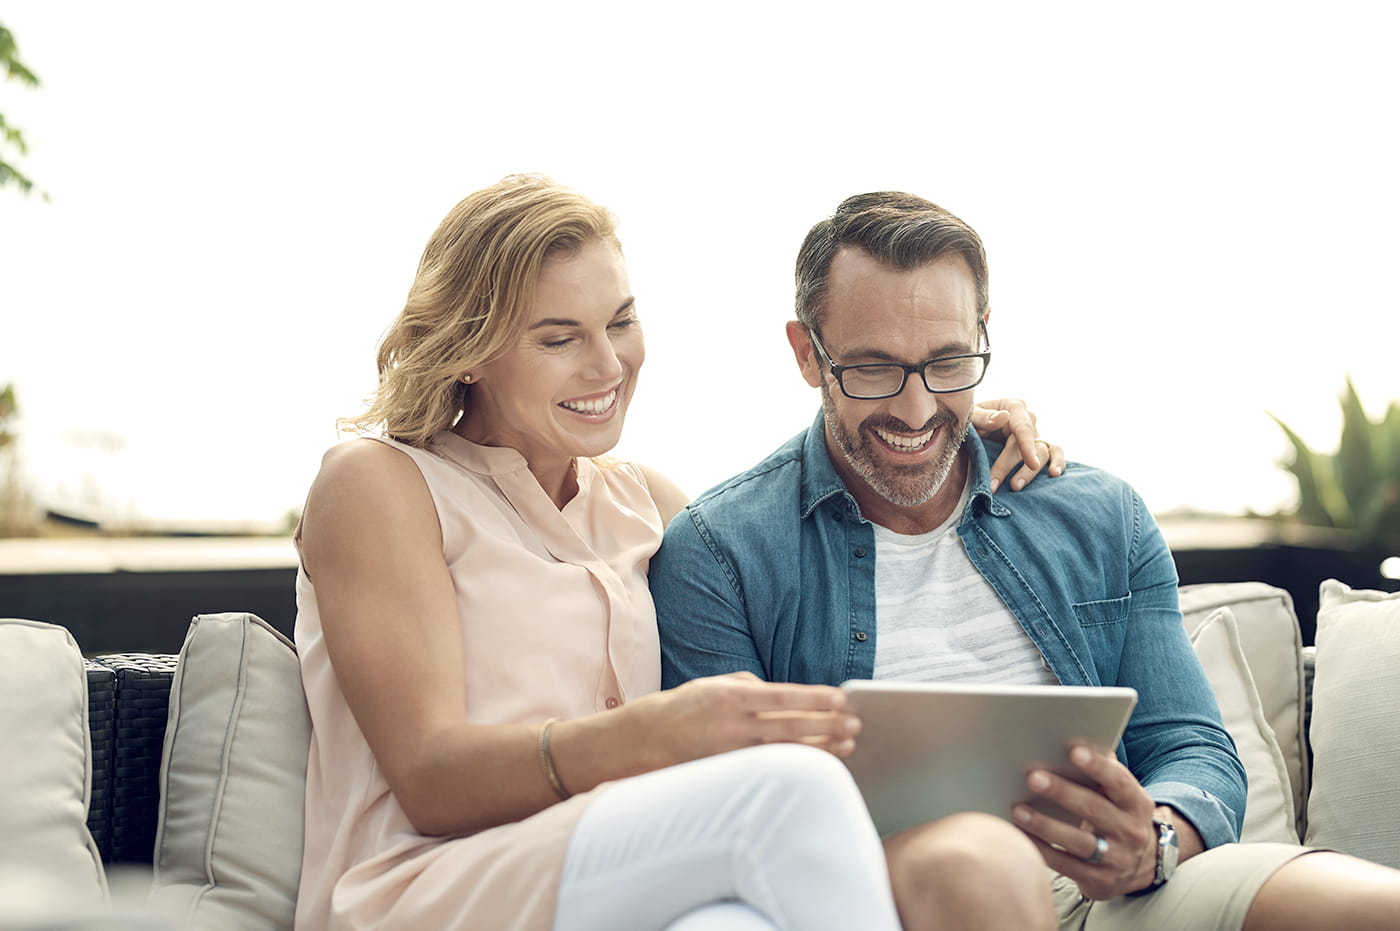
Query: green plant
point(1357, 488)
point(11, 68)
point(17, 515)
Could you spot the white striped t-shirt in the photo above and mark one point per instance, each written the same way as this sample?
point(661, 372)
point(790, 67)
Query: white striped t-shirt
point(938, 620)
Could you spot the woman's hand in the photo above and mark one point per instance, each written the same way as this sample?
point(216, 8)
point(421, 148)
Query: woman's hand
point(720, 713)
point(1012, 419)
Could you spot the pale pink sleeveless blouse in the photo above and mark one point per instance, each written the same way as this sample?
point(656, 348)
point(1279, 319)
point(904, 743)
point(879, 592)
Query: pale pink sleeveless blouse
point(557, 621)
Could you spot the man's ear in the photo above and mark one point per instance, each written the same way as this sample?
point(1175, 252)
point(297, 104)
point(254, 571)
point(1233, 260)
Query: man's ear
point(801, 342)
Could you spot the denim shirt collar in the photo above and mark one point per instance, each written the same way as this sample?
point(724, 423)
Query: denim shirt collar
point(821, 481)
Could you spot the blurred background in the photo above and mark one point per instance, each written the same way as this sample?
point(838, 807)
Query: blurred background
point(1189, 211)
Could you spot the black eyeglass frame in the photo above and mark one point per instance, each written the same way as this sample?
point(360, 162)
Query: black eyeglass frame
point(838, 371)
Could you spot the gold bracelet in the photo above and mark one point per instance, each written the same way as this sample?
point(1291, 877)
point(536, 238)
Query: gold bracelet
point(547, 762)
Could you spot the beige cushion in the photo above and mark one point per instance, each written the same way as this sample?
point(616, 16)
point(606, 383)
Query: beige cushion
point(1355, 801)
point(233, 778)
point(47, 857)
point(1273, 645)
point(1269, 812)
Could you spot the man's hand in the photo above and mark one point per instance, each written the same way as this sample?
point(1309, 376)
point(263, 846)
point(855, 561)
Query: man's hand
point(1120, 812)
point(1011, 419)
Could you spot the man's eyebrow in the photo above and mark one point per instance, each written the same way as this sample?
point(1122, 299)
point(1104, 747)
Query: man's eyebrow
point(879, 355)
point(564, 321)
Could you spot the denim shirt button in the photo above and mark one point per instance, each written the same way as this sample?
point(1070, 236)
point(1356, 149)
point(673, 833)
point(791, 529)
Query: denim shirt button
point(860, 552)
point(862, 636)
point(837, 516)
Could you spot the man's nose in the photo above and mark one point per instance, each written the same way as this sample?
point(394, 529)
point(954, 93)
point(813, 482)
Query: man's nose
point(914, 404)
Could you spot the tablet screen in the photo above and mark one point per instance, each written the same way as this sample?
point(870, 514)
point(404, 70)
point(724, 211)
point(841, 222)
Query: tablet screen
point(926, 750)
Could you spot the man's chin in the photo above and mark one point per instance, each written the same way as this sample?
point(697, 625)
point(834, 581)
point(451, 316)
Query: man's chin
point(907, 484)
point(904, 495)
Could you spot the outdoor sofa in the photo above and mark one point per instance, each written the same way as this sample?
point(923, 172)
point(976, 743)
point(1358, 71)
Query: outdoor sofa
point(165, 791)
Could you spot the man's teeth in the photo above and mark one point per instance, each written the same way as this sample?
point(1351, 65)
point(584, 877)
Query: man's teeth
point(905, 442)
point(596, 406)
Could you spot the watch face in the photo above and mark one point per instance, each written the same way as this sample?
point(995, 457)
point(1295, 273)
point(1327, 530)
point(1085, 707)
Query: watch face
point(1167, 849)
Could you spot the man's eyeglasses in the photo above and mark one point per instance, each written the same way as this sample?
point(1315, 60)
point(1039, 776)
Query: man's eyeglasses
point(943, 375)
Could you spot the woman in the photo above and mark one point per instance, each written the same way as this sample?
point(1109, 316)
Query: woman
point(479, 647)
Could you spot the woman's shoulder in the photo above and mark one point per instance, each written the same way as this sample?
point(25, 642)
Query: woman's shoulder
point(366, 462)
point(668, 497)
point(361, 452)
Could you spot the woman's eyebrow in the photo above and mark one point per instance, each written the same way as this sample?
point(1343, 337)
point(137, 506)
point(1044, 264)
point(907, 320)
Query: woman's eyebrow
point(562, 321)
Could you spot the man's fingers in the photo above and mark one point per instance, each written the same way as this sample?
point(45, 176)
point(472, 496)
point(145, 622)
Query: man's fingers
point(1114, 779)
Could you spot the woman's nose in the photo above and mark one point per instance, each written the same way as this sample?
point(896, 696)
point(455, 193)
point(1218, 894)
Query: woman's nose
point(604, 360)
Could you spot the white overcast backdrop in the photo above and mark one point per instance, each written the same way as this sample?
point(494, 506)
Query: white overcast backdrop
point(1190, 211)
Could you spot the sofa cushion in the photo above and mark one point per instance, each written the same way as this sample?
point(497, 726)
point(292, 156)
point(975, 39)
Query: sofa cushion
point(1269, 814)
point(1355, 805)
point(1272, 643)
point(47, 855)
point(233, 778)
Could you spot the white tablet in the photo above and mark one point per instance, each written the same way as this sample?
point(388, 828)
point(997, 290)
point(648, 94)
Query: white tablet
point(926, 750)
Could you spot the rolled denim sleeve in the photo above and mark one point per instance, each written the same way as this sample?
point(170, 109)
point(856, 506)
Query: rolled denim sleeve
point(1177, 743)
point(700, 610)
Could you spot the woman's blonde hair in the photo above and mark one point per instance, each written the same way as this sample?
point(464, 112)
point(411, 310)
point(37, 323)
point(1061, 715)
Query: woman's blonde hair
point(470, 299)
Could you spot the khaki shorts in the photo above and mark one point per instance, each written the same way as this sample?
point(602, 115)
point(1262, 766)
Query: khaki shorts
point(1212, 890)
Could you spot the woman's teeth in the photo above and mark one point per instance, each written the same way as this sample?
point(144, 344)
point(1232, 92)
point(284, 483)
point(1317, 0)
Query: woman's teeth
point(595, 406)
point(905, 442)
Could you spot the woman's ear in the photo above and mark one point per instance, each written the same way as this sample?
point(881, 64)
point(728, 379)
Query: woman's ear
point(801, 342)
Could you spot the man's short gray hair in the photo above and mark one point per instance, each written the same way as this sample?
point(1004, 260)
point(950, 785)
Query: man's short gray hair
point(898, 229)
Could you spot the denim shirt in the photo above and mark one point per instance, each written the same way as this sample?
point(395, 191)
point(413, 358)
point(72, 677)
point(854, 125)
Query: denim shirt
point(773, 572)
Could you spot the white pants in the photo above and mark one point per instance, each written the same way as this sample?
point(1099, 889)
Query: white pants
point(768, 837)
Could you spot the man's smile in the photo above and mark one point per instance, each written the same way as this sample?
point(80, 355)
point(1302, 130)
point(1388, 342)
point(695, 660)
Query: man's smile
point(906, 444)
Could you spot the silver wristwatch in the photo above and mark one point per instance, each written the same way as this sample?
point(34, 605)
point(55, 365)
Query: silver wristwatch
point(1167, 850)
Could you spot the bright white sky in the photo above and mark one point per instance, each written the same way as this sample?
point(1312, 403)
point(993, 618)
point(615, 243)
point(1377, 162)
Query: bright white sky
point(1189, 209)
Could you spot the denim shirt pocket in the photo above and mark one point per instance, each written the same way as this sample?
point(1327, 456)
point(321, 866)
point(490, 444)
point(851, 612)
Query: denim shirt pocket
point(1108, 611)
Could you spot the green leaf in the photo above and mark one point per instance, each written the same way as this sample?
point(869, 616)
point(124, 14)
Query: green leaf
point(1313, 472)
point(13, 136)
point(9, 60)
point(10, 175)
point(1390, 432)
point(1355, 462)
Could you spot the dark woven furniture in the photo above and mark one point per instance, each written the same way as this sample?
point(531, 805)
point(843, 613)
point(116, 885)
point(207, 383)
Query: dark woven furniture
point(128, 698)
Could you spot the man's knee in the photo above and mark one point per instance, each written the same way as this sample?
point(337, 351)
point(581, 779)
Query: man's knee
point(971, 866)
point(967, 845)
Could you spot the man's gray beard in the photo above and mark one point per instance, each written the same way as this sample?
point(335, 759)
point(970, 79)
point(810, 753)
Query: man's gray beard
point(905, 487)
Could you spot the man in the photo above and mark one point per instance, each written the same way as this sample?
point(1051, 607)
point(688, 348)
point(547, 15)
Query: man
point(871, 546)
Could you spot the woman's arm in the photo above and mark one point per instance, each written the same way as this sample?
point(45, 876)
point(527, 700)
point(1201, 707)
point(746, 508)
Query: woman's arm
point(372, 545)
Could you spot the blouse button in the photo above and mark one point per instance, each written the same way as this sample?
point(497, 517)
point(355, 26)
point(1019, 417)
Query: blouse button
point(612, 702)
point(862, 636)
